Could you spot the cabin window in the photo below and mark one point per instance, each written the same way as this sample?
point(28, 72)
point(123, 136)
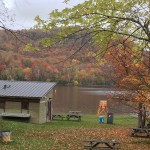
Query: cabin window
point(2, 105)
point(25, 105)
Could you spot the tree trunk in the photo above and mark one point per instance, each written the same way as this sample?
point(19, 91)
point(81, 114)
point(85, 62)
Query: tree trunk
point(144, 117)
point(141, 116)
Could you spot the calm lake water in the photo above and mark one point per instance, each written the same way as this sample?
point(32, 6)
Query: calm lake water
point(85, 100)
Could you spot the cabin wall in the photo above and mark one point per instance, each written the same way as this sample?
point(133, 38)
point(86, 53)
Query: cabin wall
point(50, 94)
point(15, 107)
point(34, 112)
point(43, 114)
point(12, 107)
point(38, 109)
point(1, 111)
point(1, 107)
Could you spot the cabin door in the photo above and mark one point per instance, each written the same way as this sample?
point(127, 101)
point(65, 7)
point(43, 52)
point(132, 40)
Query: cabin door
point(49, 109)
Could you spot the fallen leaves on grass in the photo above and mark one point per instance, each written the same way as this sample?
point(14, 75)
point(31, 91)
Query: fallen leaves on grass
point(72, 138)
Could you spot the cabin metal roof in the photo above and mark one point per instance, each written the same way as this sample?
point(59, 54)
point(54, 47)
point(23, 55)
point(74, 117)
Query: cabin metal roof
point(25, 89)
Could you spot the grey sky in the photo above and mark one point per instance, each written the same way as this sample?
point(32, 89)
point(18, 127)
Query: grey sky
point(26, 10)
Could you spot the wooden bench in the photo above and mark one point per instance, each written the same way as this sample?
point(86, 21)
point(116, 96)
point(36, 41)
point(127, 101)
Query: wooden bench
point(74, 115)
point(58, 116)
point(98, 144)
point(19, 115)
point(141, 132)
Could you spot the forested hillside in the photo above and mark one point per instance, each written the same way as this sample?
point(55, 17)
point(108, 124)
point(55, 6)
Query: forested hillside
point(66, 63)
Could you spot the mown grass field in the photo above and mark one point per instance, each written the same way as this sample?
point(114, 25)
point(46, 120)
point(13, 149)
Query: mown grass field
point(69, 135)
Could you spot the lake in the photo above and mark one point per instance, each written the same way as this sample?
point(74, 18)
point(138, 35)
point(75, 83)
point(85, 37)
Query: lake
point(85, 99)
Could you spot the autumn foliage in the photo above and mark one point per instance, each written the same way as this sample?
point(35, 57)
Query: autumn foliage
point(129, 69)
point(69, 135)
point(48, 63)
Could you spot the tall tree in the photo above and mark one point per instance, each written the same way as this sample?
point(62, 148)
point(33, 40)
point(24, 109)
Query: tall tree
point(129, 69)
point(105, 20)
point(101, 22)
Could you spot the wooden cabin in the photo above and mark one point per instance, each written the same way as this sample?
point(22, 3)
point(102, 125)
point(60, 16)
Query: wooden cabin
point(26, 100)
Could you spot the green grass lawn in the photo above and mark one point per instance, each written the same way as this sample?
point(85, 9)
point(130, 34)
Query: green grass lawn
point(69, 135)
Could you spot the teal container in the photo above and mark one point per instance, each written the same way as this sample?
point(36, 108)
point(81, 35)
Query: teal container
point(101, 119)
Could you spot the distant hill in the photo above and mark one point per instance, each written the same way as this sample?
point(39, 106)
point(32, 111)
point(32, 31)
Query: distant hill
point(61, 63)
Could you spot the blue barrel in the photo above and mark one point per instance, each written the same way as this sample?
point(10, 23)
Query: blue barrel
point(101, 119)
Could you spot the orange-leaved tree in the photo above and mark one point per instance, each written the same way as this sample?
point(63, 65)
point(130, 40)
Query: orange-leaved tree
point(130, 71)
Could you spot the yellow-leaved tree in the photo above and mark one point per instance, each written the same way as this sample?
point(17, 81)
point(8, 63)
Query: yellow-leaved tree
point(102, 22)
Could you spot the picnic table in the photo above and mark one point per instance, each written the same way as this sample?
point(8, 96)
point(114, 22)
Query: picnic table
point(75, 115)
point(98, 144)
point(58, 116)
point(140, 131)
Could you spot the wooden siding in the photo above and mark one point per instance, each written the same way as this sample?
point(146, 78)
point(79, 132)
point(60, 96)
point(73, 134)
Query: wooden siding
point(13, 107)
point(34, 112)
point(43, 113)
point(50, 94)
point(44, 107)
point(37, 108)
point(1, 110)
point(2, 107)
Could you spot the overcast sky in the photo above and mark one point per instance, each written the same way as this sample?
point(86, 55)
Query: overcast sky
point(24, 11)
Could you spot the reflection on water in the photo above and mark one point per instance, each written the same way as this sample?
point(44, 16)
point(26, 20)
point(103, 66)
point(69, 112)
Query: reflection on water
point(85, 100)
point(101, 91)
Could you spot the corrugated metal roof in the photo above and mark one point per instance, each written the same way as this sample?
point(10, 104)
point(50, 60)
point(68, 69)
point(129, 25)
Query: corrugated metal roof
point(24, 88)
